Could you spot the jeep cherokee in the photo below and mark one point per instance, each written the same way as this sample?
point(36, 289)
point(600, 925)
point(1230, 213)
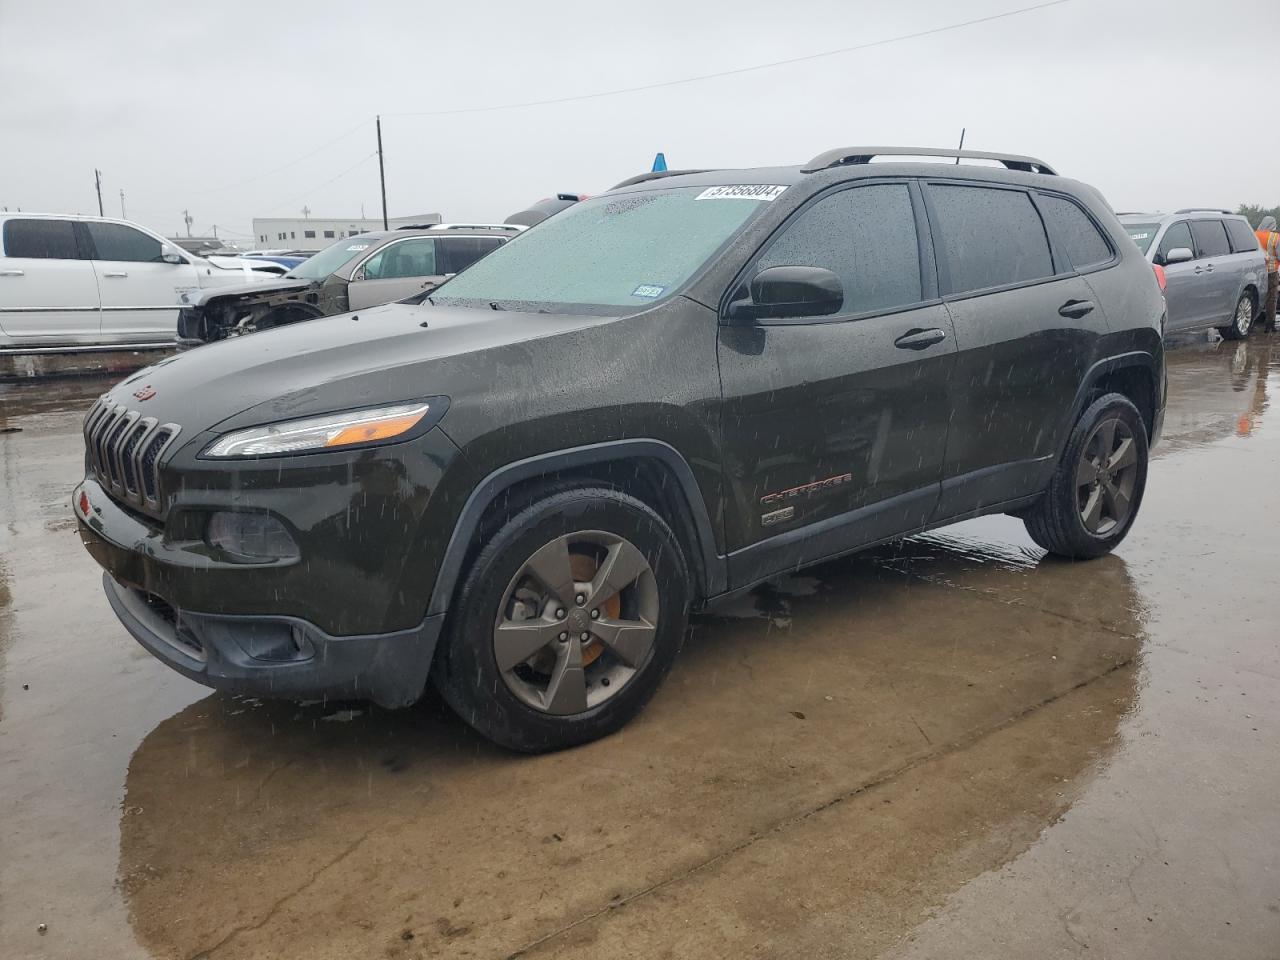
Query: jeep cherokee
point(518, 488)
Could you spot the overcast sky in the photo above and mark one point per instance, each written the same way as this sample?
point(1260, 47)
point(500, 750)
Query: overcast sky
point(241, 109)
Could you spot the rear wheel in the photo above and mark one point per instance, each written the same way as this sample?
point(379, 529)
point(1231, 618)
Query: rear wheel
point(1095, 493)
point(567, 622)
point(1242, 319)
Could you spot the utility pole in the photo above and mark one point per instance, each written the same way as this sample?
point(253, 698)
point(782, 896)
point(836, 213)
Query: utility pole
point(97, 183)
point(382, 176)
point(122, 215)
point(188, 220)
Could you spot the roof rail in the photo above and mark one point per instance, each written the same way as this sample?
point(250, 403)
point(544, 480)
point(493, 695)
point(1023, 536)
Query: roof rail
point(653, 175)
point(854, 155)
point(505, 227)
point(1202, 210)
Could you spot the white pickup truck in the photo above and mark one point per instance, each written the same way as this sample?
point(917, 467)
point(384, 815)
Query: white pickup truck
point(74, 282)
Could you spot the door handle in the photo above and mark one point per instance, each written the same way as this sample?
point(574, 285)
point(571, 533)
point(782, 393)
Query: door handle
point(115, 273)
point(11, 273)
point(920, 339)
point(1075, 309)
point(1208, 267)
point(1199, 270)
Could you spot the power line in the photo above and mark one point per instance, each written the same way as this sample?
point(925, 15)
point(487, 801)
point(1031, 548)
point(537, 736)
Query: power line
point(363, 160)
point(285, 166)
point(737, 70)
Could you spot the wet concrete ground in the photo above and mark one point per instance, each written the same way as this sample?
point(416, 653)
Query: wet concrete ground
point(950, 748)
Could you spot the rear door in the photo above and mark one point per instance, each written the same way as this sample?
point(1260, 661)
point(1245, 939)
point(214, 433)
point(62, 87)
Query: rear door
point(398, 270)
point(140, 291)
point(48, 290)
point(1026, 324)
point(1220, 276)
point(835, 426)
point(1183, 296)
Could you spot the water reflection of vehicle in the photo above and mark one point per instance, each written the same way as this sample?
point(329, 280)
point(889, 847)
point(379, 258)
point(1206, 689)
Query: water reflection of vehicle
point(437, 834)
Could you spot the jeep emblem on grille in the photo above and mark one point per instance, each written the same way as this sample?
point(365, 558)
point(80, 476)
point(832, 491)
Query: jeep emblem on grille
point(146, 393)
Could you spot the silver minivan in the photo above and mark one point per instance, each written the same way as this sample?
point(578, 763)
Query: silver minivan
point(1215, 272)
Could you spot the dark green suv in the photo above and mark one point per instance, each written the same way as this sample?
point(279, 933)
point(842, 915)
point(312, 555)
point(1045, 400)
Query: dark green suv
point(520, 487)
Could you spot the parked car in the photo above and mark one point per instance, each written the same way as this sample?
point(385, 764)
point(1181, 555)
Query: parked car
point(354, 273)
point(659, 396)
point(544, 208)
point(286, 260)
point(1215, 272)
point(74, 282)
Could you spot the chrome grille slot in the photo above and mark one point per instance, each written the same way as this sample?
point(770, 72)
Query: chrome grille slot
point(123, 452)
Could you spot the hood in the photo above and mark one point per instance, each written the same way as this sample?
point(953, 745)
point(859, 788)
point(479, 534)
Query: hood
point(1268, 223)
point(386, 354)
point(264, 287)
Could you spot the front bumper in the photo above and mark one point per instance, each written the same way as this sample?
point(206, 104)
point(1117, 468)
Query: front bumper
point(279, 657)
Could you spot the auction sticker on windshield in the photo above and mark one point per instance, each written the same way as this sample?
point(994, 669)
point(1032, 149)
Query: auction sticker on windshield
point(743, 191)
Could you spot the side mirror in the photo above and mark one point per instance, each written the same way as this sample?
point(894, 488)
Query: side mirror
point(783, 292)
point(169, 256)
point(1178, 255)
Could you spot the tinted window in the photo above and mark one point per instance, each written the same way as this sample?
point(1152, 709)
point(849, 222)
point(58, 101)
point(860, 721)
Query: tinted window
point(1179, 235)
point(1211, 238)
point(115, 241)
point(990, 238)
point(408, 258)
point(458, 253)
point(1075, 233)
point(41, 239)
point(866, 237)
point(1243, 240)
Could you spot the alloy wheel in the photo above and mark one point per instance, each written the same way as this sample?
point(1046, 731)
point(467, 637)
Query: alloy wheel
point(1106, 477)
point(576, 622)
point(1244, 316)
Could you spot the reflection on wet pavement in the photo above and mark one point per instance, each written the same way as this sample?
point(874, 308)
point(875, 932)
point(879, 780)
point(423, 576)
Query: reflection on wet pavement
point(948, 747)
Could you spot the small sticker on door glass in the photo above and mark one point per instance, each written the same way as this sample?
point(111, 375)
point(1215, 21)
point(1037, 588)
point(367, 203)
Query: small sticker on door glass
point(356, 247)
point(650, 290)
point(767, 192)
point(1139, 236)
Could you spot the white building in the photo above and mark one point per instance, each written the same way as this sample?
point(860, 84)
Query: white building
point(316, 233)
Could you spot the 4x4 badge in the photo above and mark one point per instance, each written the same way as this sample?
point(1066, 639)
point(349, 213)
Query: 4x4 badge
point(146, 393)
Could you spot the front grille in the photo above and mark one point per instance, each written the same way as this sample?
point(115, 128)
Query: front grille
point(123, 450)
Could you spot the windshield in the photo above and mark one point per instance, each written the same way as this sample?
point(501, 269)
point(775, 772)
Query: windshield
point(1142, 234)
point(329, 259)
point(628, 250)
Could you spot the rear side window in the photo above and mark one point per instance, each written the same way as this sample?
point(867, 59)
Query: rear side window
point(41, 239)
point(1211, 238)
point(1243, 240)
point(458, 253)
point(867, 237)
point(115, 241)
point(1075, 233)
point(989, 238)
point(1178, 235)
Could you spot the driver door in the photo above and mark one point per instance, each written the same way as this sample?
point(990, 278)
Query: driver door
point(140, 291)
point(835, 427)
point(398, 270)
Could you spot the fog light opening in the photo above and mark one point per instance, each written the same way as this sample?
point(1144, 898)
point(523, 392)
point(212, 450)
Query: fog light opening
point(251, 536)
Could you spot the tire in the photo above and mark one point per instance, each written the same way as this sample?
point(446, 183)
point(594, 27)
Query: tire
point(1080, 514)
point(1246, 312)
point(503, 609)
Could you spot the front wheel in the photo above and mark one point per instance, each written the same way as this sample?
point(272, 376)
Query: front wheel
point(1242, 319)
point(1095, 492)
point(568, 620)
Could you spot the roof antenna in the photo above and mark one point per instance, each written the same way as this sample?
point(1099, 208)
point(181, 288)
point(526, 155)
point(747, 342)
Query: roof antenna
point(960, 149)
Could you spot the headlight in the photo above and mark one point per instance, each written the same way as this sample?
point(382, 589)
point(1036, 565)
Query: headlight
point(335, 430)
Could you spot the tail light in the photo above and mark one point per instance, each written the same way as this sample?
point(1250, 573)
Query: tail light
point(1160, 277)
